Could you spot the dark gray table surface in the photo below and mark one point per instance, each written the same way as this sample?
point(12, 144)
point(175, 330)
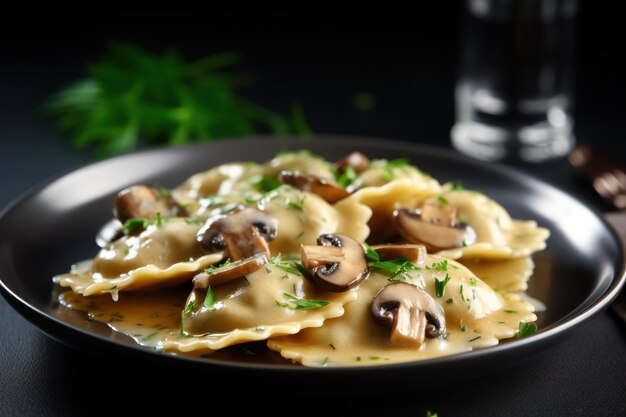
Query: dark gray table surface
point(585, 375)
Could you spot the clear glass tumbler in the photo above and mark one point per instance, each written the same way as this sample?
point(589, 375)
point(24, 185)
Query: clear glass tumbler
point(514, 93)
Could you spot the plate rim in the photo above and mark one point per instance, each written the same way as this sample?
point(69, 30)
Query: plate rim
point(548, 334)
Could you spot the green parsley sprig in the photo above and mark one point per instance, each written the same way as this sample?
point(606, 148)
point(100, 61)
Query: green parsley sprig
point(131, 94)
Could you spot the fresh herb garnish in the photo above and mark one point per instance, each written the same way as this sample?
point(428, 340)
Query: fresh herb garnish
point(391, 166)
point(347, 177)
point(148, 336)
point(158, 221)
point(263, 183)
point(473, 282)
point(289, 266)
point(526, 329)
point(431, 414)
point(131, 94)
point(473, 339)
point(261, 199)
point(439, 266)
point(209, 300)
point(134, 224)
point(295, 204)
point(398, 268)
point(302, 304)
point(442, 201)
point(456, 185)
point(164, 193)
point(440, 286)
point(510, 311)
point(462, 327)
point(462, 294)
point(449, 301)
point(324, 361)
point(370, 253)
point(189, 308)
point(213, 268)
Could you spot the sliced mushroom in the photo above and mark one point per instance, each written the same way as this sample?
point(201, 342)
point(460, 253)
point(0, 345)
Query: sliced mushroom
point(229, 272)
point(328, 191)
point(335, 270)
point(410, 312)
point(240, 234)
point(390, 252)
point(433, 226)
point(144, 202)
point(356, 160)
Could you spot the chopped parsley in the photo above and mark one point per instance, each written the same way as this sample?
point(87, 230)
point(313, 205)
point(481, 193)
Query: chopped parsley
point(462, 327)
point(209, 300)
point(324, 361)
point(261, 199)
point(213, 268)
point(442, 201)
point(302, 304)
point(462, 294)
point(473, 281)
point(440, 286)
point(391, 166)
point(289, 266)
point(431, 414)
point(263, 183)
point(398, 268)
point(473, 339)
point(347, 177)
point(439, 266)
point(449, 301)
point(134, 224)
point(194, 221)
point(526, 329)
point(510, 311)
point(295, 204)
point(456, 185)
point(371, 254)
point(158, 221)
point(189, 308)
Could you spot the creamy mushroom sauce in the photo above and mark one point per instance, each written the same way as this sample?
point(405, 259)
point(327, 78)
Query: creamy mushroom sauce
point(483, 304)
point(476, 317)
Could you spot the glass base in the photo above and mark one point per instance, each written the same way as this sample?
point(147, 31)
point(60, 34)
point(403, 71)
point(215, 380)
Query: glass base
point(533, 144)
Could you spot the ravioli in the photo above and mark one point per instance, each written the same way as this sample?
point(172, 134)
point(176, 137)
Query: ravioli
point(268, 302)
point(498, 236)
point(476, 317)
point(162, 255)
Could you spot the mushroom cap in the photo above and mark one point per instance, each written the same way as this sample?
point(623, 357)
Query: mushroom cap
point(435, 236)
point(229, 272)
point(358, 161)
point(328, 191)
point(241, 234)
point(399, 305)
point(341, 276)
point(144, 202)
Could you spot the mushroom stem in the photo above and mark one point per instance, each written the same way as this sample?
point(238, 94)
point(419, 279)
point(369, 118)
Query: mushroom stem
point(313, 255)
point(409, 326)
point(414, 253)
point(439, 214)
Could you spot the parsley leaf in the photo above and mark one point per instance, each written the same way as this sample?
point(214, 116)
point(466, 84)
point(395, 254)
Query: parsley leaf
point(442, 201)
point(289, 266)
point(132, 225)
point(189, 308)
point(440, 286)
point(457, 185)
point(347, 177)
point(526, 329)
point(371, 254)
point(439, 266)
point(263, 183)
point(398, 268)
point(209, 300)
point(302, 304)
point(295, 205)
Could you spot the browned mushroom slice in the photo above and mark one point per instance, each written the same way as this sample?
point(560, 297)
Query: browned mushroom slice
point(328, 191)
point(240, 235)
point(229, 272)
point(433, 226)
point(410, 312)
point(144, 202)
point(356, 160)
point(389, 252)
point(334, 270)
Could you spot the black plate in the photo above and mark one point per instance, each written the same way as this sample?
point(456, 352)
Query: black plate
point(54, 225)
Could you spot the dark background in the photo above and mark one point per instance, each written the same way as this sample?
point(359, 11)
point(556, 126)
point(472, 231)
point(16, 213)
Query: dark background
point(408, 61)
